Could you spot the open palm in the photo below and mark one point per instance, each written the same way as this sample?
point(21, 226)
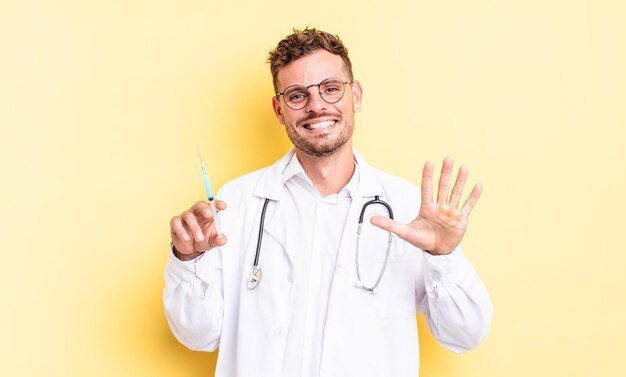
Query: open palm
point(439, 226)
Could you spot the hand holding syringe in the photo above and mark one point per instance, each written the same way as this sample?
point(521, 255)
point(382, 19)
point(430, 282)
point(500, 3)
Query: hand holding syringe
point(195, 231)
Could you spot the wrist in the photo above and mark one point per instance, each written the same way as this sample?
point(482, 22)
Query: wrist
point(438, 252)
point(185, 257)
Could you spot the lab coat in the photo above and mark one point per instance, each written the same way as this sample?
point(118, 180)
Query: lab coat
point(208, 304)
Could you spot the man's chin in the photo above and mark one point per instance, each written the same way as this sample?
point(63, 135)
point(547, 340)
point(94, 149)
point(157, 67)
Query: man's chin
point(322, 150)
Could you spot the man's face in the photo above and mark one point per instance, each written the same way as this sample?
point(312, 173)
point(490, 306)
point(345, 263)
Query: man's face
point(319, 129)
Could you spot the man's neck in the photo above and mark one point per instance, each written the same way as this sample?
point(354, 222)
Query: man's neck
point(331, 173)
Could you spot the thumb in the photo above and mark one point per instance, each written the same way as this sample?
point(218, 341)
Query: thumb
point(390, 225)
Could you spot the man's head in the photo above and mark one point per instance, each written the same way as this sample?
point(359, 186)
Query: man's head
point(302, 43)
point(318, 117)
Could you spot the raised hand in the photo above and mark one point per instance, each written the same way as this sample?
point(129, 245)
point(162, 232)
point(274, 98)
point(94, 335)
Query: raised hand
point(193, 231)
point(439, 226)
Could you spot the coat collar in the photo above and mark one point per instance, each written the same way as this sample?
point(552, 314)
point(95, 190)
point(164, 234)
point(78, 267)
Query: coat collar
point(271, 183)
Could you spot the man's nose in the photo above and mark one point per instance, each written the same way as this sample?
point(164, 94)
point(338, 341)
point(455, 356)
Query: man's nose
point(316, 102)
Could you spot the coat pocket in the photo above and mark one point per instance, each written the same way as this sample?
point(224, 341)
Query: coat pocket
point(394, 297)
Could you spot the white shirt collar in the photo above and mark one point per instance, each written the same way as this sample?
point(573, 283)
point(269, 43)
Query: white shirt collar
point(271, 185)
point(294, 170)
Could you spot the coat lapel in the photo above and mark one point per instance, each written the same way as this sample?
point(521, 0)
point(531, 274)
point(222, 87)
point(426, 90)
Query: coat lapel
point(270, 187)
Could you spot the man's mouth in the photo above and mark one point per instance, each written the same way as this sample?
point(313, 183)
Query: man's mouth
point(320, 125)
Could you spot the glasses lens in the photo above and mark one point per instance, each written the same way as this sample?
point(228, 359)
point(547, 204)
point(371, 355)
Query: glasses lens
point(296, 97)
point(332, 90)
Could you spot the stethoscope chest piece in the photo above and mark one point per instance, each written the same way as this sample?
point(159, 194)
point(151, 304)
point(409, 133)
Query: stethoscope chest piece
point(254, 278)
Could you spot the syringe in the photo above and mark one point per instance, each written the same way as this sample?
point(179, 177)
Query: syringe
point(209, 193)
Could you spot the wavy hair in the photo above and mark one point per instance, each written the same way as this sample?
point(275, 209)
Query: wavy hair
point(302, 43)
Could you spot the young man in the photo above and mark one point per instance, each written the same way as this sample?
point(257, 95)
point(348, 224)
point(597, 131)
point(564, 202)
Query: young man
point(301, 288)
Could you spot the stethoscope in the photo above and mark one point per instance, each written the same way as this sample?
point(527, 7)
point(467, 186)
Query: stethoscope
point(255, 276)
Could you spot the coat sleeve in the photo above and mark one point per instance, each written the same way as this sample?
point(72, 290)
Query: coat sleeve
point(456, 304)
point(194, 301)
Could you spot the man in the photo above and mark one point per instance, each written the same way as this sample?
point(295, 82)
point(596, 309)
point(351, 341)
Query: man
point(300, 288)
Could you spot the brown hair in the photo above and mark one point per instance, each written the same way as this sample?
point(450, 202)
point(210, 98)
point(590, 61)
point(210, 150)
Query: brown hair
point(304, 42)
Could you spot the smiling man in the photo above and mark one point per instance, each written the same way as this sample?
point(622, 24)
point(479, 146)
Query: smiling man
point(317, 119)
point(305, 285)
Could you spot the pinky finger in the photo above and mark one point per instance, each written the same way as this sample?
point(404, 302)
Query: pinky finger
point(471, 201)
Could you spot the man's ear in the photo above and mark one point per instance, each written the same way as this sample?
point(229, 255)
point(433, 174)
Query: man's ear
point(278, 110)
point(357, 95)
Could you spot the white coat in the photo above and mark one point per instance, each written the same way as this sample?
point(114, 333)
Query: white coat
point(208, 303)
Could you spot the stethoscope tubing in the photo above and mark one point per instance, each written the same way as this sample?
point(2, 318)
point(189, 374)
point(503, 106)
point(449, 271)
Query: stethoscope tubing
point(376, 200)
point(260, 238)
point(359, 282)
point(255, 276)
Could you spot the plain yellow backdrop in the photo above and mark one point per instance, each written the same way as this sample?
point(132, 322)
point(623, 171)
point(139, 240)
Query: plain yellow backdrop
point(102, 104)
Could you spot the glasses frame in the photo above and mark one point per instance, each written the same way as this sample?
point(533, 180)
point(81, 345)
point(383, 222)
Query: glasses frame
point(308, 98)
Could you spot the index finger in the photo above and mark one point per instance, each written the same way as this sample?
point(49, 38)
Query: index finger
point(202, 209)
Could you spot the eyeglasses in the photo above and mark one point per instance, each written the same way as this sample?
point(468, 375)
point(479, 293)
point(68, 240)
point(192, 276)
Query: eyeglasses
point(331, 90)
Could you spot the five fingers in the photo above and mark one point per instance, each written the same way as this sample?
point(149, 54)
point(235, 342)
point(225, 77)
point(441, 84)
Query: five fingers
point(444, 187)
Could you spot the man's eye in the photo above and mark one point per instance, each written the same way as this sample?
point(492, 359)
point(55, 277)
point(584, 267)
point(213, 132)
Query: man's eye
point(296, 97)
point(331, 89)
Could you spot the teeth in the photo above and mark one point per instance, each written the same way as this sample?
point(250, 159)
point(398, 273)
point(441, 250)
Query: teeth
point(324, 124)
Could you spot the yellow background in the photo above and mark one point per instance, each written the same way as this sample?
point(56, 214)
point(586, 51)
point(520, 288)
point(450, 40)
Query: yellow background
point(103, 102)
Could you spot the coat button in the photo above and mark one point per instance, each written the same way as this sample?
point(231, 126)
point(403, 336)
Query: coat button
point(279, 332)
point(436, 275)
point(290, 277)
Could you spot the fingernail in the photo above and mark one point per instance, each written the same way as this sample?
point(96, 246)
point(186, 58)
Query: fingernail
point(200, 236)
point(207, 212)
point(186, 237)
